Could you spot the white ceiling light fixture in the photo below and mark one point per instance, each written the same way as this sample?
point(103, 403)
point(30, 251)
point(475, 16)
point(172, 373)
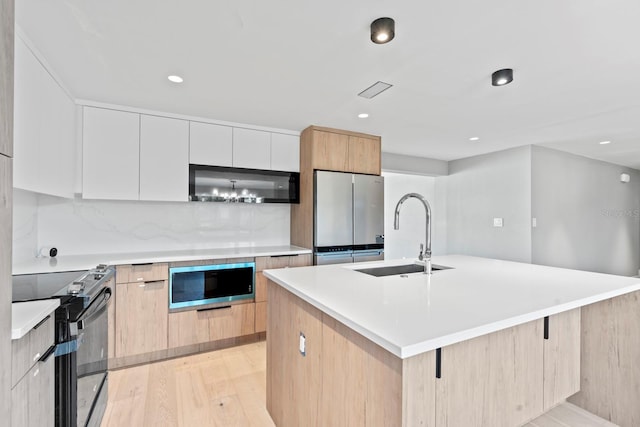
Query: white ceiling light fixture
point(474, 138)
point(175, 79)
point(604, 142)
point(363, 115)
point(383, 30)
point(374, 90)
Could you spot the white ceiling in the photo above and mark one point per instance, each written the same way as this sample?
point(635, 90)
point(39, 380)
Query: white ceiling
point(291, 63)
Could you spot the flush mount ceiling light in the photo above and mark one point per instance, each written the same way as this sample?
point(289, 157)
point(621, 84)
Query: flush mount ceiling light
point(383, 30)
point(474, 138)
point(502, 77)
point(363, 115)
point(175, 79)
point(374, 90)
point(605, 142)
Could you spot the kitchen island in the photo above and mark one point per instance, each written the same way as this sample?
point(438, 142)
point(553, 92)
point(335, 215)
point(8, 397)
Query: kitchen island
point(486, 342)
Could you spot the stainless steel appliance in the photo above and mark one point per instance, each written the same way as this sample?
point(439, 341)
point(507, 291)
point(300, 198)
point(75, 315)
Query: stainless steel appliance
point(208, 285)
point(348, 217)
point(81, 339)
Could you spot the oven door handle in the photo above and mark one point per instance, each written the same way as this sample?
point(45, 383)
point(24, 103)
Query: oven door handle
point(95, 309)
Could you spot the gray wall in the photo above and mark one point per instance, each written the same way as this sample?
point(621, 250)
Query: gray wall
point(414, 165)
point(586, 218)
point(480, 188)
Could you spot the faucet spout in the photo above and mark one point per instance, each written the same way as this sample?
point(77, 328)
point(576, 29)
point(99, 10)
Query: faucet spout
point(396, 225)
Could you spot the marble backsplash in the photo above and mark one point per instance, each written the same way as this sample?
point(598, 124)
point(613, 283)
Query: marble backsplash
point(77, 226)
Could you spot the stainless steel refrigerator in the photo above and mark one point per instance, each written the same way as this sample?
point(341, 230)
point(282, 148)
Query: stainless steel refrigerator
point(348, 213)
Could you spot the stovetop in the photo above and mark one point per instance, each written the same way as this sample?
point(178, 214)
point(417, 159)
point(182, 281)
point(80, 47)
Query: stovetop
point(28, 287)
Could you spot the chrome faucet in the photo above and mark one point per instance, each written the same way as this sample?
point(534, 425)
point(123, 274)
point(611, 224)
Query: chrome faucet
point(396, 226)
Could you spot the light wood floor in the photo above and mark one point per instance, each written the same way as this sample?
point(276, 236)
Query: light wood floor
point(219, 388)
point(228, 388)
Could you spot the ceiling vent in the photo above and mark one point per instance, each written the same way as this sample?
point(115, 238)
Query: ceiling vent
point(374, 90)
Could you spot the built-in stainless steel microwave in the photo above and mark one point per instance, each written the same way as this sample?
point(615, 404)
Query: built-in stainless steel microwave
point(210, 284)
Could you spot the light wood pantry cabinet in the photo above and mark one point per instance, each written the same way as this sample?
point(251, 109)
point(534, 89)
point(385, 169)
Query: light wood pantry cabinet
point(332, 150)
point(142, 308)
point(6, 229)
point(111, 154)
point(164, 159)
point(45, 129)
point(33, 377)
point(265, 263)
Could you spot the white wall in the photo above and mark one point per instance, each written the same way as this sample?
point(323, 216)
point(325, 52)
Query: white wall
point(405, 242)
point(586, 218)
point(25, 225)
point(481, 188)
point(77, 226)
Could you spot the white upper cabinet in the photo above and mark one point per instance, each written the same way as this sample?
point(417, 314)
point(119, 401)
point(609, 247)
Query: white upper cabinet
point(45, 144)
point(210, 145)
point(111, 154)
point(285, 152)
point(164, 159)
point(251, 149)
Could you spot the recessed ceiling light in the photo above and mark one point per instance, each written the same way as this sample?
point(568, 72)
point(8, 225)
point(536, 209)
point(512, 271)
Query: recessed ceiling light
point(383, 30)
point(175, 79)
point(605, 142)
point(474, 138)
point(363, 115)
point(502, 77)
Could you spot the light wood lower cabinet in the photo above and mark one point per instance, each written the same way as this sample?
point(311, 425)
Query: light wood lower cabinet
point(142, 311)
point(196, 327)
point(272, 262)
point(33, 377)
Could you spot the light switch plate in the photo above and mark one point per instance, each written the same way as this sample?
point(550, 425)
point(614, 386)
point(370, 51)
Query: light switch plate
point(497, 222)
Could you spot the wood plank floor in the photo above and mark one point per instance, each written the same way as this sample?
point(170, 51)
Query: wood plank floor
point(228, 388)
point(219, 388)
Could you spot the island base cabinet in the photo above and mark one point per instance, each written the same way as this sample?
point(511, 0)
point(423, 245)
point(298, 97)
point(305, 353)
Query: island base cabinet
point(561, 357)
point(320, 372)
point(32, 398)
point(610, 360)
point(492, 380)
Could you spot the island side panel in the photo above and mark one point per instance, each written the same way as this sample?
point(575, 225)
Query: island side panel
point(492, 380)
point(419, 390)
point(361, 382)
point(562, 358)
point(294, 381)
point(610, 368)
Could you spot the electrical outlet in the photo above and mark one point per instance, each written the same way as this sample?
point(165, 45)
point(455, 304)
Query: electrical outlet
point(302, 346)
point(497, 222)
point(534, 222)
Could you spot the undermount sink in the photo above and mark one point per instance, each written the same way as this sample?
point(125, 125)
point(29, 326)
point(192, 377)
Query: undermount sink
point(393, 270)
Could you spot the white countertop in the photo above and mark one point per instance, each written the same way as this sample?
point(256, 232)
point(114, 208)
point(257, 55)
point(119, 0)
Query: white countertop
point(409, 316)
point(26, 315)
point(85, 262)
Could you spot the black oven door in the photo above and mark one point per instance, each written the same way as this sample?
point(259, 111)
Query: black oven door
point(91, 356)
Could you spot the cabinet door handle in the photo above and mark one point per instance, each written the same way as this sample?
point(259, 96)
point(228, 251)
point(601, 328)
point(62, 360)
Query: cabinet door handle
point(40, 323)
point(438, 362)
point(214, 308)
point(141, 264)
point(47, 354)
point(546, 327)
point(282, 256)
